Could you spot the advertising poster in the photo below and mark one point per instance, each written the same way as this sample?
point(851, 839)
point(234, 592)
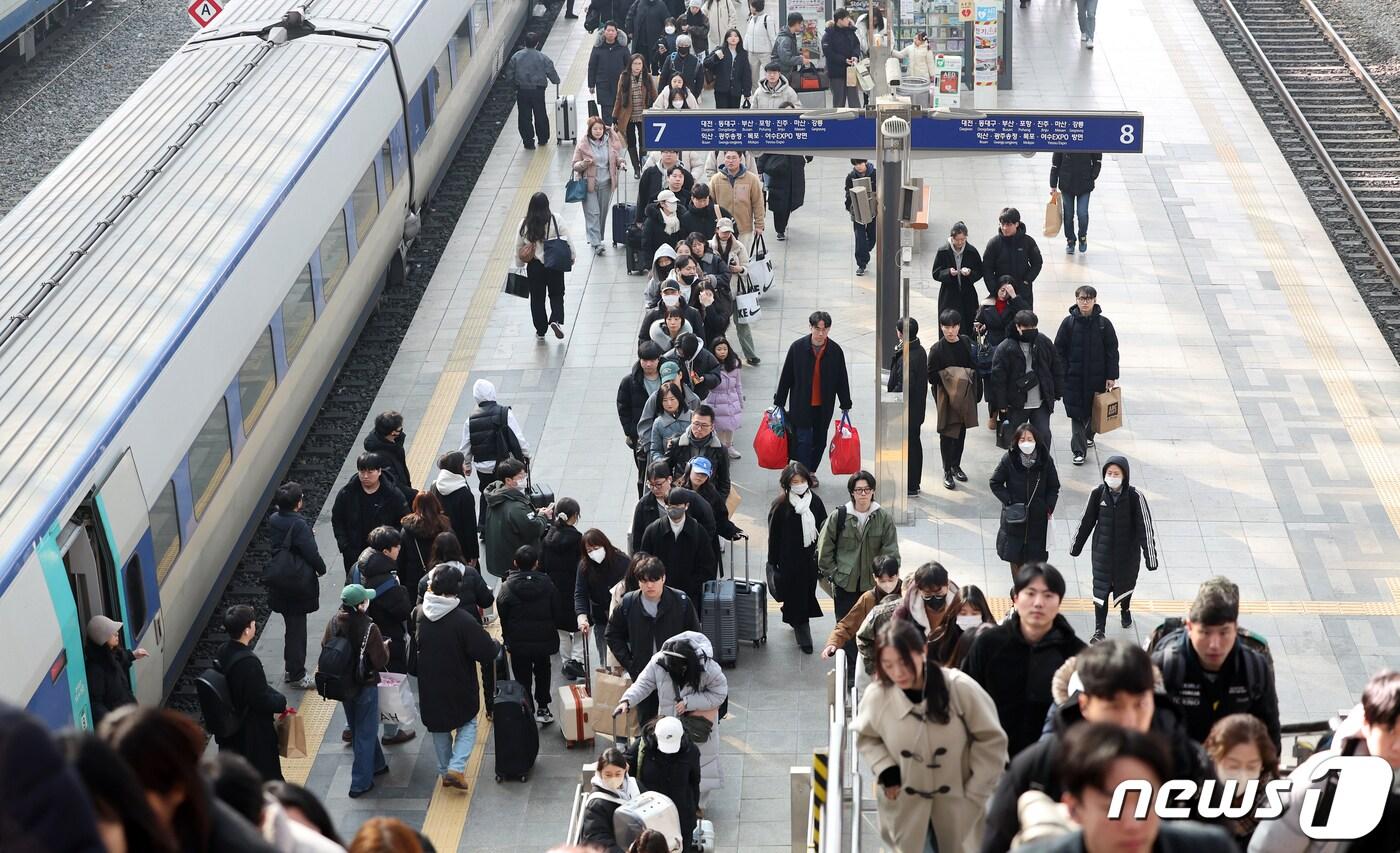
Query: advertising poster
point(813, 22)
point(947, 85)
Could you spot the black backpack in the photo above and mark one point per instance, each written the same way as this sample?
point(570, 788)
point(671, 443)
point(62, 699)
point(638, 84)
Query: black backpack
point(339, 674)
point(221, 719)
point(1165, 639)
point(284, 572)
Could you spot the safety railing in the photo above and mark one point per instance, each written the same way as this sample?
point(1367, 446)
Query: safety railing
point(822, 813)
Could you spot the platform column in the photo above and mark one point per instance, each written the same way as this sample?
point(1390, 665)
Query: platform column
point(891, 302)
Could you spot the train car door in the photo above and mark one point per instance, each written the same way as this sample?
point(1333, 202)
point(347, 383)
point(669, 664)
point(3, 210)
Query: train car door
point(110, 561)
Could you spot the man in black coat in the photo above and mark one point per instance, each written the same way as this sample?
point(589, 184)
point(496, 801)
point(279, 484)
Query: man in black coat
point(1012, 252)
point(918, 393)
point(363, 504)
point(703, 214)
point(530, 609)
point(451, 644)
point(108, 665)
point(286, 527)
point(841, 47)
point(700, 370)
point(646, 24)
point(606, 63)
point(682, 545)
point(1015, 661)
point(651, 506)
point(253, 700)
point(1118, 688)
point(389, 441)
point(647, 617)
point(632, 394)
point(1074, 175)
point(377, 569)
point(1088, 348)
point(1027, 377)
point(813, 377)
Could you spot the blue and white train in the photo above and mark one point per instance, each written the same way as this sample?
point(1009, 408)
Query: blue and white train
point(177, 296)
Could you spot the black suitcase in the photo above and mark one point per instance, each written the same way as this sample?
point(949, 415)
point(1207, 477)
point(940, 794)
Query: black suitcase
point(636, 264)
point(514, 732)
point(623, 213)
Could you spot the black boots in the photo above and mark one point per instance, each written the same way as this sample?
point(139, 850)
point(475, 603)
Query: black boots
point(1127, 618)
point(1100, 618)
point(803, 630)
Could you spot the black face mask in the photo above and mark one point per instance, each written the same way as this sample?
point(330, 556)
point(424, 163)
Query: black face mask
point(936, 601)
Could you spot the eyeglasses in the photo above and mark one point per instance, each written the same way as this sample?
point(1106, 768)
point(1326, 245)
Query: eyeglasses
point(861, 490)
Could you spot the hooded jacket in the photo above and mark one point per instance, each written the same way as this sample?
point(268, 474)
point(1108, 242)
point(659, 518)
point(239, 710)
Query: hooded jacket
point(528, 606)
point(606, 65)
point(687, 447)
point(455, 495)
point(1009, 364)
point(779, 97)
point(786, 51)
point(703, 364)
point(1017, 256)
point(1123, 535)
point(634, 636)
point(1088, 348)
point(563, 544)
point(787, 180)
point(510, 523)
point(654, 678)
point(1074, 174)
point(1017, 674)
point(391, 606)
point(838, 45)
point(303, 546)
point(474, 593)
point(1038, 487)
point(666, 429)
point(675, 775)
point(596, 827)
point(703, 220)
point(491, 432)
point(451, 643)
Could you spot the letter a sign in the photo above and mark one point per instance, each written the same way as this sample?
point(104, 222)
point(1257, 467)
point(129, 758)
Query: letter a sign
point(204, 11)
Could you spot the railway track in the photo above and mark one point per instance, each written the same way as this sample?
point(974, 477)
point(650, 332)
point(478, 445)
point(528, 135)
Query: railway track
point(1335, 127)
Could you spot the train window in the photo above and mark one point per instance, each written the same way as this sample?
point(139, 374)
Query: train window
point(366, 205)
point(462, 40)
point(298, 314)
point(335, 256)
point(386, 168)
point(135, 594)
point(257, 379)
point(210, 457)
point(165, 531)
point(443, 67)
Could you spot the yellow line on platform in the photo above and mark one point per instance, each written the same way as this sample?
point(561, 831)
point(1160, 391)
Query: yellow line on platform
point(447, 813)
point(315, 714)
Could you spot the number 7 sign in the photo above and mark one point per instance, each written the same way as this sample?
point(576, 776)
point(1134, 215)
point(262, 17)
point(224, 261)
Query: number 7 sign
point(204, 11)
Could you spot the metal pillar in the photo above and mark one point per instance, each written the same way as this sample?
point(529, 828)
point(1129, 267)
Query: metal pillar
point(891, 301)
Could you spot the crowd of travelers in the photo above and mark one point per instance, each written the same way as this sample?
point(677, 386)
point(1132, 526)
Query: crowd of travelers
point(982, 733)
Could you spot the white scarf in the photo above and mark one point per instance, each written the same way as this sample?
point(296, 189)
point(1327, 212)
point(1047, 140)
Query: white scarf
point(802, 505)
point(672, 221)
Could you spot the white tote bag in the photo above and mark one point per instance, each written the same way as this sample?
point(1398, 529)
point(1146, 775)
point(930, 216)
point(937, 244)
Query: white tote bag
point(759, 269)
point(396, 699)
point(746, 307)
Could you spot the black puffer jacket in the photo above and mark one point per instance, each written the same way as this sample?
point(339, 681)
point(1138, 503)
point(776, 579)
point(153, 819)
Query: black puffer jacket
point(677, 776)
point(593, 587)
point(787, 180)
point(1088, 347)
point(562, 545)
point(1017, 256)
point(303, 545)
point(526, 603)
point(1074, 174)
point(1017, 675)
point(391, 606)
point(1123, 535)
point(109, 679)
point(1009, 363)
point(631, 397)
point(1038, 487)
point(999, 323)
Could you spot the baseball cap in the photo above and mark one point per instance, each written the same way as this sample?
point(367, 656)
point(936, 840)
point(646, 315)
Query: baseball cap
point(669, 732)
point(702, 465)
point(355, 595)
point(724, 223)
point(666, 196)
point(669, 370)
point(101, 628)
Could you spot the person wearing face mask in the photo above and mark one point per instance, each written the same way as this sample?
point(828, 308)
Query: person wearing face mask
point(683, 63)
point(794, 521)
point(867, 616)
point(1240, 748)
point(600, 569)
point(612, 787)
point(965, 613)
point(652, 505)
point(1027, 377)
point(511, 521)
point(850, 541)
point(700, 370)
point(663, 266)
point(656, 176)
point(993, 322)
point(530, 613)
point(562, 544)
point(663, 222)
point(362, 708)
point(931, 603)
point(958, 267)
point(683, 278)
point(1028, 486)
point(681, 544)
point(668, 322)
point(1118, 516)
point(679, 91)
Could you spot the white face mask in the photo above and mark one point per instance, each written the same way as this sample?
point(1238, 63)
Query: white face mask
point(968, 620)
point(887, 585)
point(1112, 482)
point(615, 785)
point(1240, 777)
point(670, 30)
point(671, 300)
point(799, 489)
point(597, 555)
point(1027, 447)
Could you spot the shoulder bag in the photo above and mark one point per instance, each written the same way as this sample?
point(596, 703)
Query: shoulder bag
point(558, 254)
point(1015, 516)
point(759, 269)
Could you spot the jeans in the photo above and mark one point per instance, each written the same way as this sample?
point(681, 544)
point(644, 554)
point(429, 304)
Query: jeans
point(294, 647)
point(1088, 16)
point(636, 144)
point(841, 94)
point(531, 115)
point(527, 669)
point(595, 213)
point(1080, 434)
point(951, 449)
point(452, 754)
point(542, 280)
point(865, 242)
point(362, 716)
point(1076, 204)
point(808, 444)
point(744, 332)
point(916, 455)
point(1038, 418)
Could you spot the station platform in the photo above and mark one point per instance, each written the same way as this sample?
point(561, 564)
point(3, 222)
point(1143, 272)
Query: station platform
point(1260, 401)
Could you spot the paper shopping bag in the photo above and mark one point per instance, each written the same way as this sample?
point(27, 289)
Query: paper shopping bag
point(1108, 411)
point(396, 705)
point(607, 693)
point(291, 735)
point(1054, 215)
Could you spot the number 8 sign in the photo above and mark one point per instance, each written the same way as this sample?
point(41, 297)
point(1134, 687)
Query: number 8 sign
point(204, 11)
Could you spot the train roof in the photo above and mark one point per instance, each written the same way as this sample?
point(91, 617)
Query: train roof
point(73, 372)
point(391, 15)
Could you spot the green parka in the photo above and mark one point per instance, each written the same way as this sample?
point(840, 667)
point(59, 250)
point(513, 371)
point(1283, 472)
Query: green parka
point(847, 563)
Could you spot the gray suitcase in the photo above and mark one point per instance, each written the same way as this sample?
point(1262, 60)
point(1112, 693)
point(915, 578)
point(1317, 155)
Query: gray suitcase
point(565, 119)
point(750, 602)
point(718, 620)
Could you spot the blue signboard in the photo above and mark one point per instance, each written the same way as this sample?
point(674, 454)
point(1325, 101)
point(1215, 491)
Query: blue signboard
point(1109, 133)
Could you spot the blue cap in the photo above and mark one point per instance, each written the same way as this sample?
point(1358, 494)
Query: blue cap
point(702, 465)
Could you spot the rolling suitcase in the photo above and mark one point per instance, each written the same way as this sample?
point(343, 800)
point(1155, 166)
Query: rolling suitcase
point(623, 215)
point(565, 119)
point(718, 620)
point(514, 732)
point(750, 602)
point(704, 837)
point(576, 707)
point(649, 810)
point(636, 264)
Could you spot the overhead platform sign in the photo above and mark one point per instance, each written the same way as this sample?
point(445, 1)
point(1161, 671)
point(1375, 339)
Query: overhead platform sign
point(787, 130)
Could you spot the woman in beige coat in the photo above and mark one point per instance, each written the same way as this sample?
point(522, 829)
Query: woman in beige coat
point(936, 760)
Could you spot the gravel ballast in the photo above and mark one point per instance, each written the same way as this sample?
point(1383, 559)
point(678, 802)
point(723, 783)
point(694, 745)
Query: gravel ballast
point(1371, 28)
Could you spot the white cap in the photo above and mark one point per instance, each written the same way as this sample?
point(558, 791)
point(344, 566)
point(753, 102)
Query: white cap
point(100, 629)
point(724, 223)
point(669, 732)
point(667, 197)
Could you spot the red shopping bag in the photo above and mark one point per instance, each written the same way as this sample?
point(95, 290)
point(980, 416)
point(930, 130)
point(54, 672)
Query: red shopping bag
point(770, 445)
point(845, 447)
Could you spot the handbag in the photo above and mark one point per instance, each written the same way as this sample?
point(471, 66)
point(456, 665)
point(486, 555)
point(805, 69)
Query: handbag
point(808, 80)
point(1054, 214)
point(844, 452)
point(1016, 515)
point(1006, 433)
point(576, 190)
point(771, 573)
point(558, 254)
point(518, 282)
point(291, 735)
point(746, 307)
point(982, 356)
point(759, 269)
